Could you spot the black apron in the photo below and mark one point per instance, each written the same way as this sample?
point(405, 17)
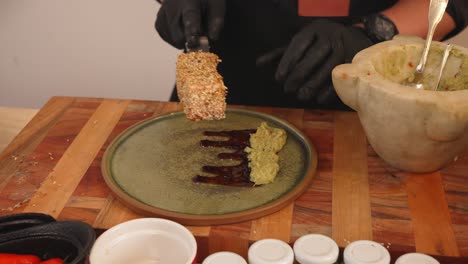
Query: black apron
point(253, 28)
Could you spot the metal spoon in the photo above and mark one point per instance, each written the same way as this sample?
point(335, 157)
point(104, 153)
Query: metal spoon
point(447, 50)
point(436, 12)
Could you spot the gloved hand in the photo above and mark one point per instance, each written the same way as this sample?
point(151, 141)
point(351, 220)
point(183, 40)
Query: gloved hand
point(305, 67)
point(180, 21)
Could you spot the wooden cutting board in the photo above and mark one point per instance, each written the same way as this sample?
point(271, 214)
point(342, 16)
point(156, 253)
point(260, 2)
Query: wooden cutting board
point(53, 167)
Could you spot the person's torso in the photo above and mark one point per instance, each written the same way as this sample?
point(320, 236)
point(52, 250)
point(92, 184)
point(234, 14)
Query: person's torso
point(255, 27)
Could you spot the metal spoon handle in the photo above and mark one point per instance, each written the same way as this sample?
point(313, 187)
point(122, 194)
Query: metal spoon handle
point(448, 48)
point(436, 12)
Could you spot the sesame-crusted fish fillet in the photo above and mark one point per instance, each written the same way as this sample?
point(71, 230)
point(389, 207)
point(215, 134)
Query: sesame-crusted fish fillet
point(200, 87)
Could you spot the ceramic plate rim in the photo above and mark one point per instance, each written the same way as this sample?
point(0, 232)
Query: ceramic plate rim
point(213, 219)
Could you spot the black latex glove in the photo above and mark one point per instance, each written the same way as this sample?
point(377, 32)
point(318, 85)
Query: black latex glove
point(180, 21)
point(305, 67)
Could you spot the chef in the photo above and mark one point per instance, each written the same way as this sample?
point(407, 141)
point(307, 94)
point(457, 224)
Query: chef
point(281, 52)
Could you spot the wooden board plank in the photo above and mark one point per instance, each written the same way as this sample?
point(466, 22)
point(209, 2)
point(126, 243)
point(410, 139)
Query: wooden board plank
point(455, 178)
point(351, 213)
point(276, 225)
point(344, 157)
point(233, 237)
point(12, 121)
point(169, 108)
point(59, 185)
point(313, 209)
point(228, 240)
point(31, 136)
point(391, 218)
point(430, 215)
point(113, 213)
point(86, 202)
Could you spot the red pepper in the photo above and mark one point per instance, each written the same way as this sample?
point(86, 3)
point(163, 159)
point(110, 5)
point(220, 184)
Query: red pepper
point(53, 261)
point(6, 258)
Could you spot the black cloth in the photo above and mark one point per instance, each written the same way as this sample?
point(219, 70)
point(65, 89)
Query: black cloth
point(458, 10)
point(305, 67)
point(254, 28)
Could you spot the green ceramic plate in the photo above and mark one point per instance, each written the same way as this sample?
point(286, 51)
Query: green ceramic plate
point(150, 167)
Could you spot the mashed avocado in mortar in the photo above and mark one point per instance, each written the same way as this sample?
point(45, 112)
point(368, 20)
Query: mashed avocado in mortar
point(263, 157)
point(459, 81)
point(455, 75)
point(398, 65)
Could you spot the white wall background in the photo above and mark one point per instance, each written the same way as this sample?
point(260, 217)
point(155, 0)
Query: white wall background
point(96, 48)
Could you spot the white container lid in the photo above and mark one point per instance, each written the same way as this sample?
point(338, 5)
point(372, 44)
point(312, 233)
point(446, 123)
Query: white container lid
point(224, 257)
point(145, 240)
point(366, 252)
point(268, 251)
point(316, 249)
point(416, 258)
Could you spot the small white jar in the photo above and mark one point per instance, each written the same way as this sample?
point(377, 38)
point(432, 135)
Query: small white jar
point(416, 258)
point(270, 251)
point(224, 257)
point(366, 252)
point(316, 249)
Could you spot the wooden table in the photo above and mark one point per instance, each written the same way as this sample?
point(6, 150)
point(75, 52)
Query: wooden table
point(12, 120)
point(53, 167)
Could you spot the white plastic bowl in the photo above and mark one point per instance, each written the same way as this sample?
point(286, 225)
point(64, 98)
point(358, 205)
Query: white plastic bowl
point(145, 241)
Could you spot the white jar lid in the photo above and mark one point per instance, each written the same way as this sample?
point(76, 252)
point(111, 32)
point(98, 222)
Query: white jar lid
point(366, 252)
point(268, 251)
point(416, 258)
point(316, 249)
point(224, 257)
